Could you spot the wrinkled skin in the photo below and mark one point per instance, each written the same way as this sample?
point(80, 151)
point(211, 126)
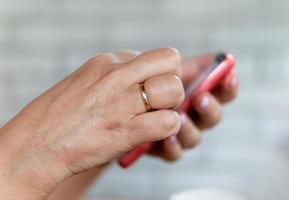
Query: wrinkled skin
point(95, 115)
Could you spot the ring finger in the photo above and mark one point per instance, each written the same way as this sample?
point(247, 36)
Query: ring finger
point(162, 92)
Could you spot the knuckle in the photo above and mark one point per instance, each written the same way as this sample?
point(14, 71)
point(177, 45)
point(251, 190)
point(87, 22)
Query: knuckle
point(172, 53)
point(174, 57)
point(104, 57)
point(177, 89)
point(171, 121)
point(127, 55)
point(107, 56)
point(129, 52)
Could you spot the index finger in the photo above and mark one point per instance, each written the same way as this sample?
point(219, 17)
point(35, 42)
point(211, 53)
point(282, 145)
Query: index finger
point(153, 63)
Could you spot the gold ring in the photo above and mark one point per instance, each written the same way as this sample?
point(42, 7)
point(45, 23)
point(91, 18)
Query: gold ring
point(145, 97)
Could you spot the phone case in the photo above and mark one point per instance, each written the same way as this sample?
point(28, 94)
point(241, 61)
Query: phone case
point(208, 78)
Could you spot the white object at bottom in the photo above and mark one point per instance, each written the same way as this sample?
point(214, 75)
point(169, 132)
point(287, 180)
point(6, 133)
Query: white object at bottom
point(207, 194)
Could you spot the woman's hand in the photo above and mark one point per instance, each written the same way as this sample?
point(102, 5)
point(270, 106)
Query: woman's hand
point(206, 112)
point(169, 149)
point(90, 118)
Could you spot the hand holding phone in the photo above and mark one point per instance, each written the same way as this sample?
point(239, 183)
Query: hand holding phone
point(206, 80)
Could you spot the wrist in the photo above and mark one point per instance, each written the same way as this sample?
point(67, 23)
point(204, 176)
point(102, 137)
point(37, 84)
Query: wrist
point(26, 173)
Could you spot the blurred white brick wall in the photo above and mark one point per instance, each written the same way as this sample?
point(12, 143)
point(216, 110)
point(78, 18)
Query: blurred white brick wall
point(43, 40)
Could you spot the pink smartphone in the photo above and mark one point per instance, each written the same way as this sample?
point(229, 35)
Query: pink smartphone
point(208, 78)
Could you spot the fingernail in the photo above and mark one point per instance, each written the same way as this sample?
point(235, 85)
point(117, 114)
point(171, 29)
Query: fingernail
point(204, 103)
point(173, 139)
point(183, 118)
point(233, 82)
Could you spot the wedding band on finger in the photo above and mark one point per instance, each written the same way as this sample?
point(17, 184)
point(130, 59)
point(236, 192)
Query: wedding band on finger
point(145, 97)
